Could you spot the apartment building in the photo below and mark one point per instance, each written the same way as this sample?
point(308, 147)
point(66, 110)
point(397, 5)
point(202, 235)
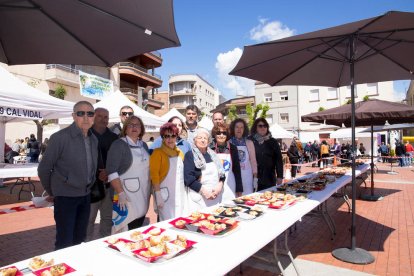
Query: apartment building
point(186, 89)
point(288, 103)
point(240, 103)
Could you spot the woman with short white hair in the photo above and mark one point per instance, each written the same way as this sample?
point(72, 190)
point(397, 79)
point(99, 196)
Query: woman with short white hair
point(203, 173)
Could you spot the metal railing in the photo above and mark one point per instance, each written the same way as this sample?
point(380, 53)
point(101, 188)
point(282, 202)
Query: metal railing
point(139, 69)
point(65, 67)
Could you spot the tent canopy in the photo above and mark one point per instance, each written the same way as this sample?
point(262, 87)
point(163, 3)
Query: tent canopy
point(20, 101)
point(343, 133)
point(206, 123)
point(173, 112)
point(279, 132)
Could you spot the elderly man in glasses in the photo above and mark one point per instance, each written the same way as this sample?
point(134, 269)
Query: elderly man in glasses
point(124, 113)
point(67, 172)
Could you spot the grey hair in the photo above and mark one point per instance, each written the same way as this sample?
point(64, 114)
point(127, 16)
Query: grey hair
point(78, 104)
point(101, 109)
point(202, 130)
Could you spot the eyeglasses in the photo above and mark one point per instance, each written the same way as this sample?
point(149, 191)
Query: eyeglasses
point(127, 113)
point(221, 133)
point(167, 136)
point(134, 125)
point(262, 126)
point(83, 113)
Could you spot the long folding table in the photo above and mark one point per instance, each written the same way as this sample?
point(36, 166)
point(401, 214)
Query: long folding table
point(211, 255)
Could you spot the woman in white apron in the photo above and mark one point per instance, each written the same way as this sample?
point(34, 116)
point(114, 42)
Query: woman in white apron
point(166, 171)
point(128, 172)
point(247, 156)
point(203, 174)
point(228, 154)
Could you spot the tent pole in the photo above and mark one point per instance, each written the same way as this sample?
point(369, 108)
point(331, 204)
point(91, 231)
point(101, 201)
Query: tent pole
point(371, 196)
point(353, 255)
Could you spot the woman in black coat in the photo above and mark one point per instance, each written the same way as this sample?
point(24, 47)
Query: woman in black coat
point(268, 155)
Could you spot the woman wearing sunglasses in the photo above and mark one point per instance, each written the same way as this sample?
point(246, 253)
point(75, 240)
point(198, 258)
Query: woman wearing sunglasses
point(127, 166)
point(247, 154)
point(268, 155)
point(166, 171)
point(229, 157)
point(181, 142)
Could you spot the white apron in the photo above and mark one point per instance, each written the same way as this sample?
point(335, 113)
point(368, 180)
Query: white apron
point(209, 180)
point(135, 183)
point(229, 188)
point(171, 189)
point(246, 170)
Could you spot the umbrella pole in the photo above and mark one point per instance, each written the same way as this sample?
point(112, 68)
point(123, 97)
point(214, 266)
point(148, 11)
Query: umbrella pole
point(353, 255)
point(372, 197)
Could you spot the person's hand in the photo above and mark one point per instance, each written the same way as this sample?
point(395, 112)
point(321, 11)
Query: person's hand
point(217, 189)
point(206, 193)
point(255, 185)
point(159, 200)
point(239, 194)
point(279, 181)
point(103, 175)
point(122, 200)
point(50, 198)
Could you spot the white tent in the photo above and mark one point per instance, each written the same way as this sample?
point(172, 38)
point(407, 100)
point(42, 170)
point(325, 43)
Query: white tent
point(173, 112)
point(344, 133)
point(19, 101)
point(206, 123)
point(113, 103)
point(279, 132)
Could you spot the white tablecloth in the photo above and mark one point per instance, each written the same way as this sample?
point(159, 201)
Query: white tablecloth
point(211, 256)
point(19, 170)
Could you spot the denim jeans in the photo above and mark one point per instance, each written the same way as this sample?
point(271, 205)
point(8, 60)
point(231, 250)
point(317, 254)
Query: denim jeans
point(71, 217)
point(401, 159)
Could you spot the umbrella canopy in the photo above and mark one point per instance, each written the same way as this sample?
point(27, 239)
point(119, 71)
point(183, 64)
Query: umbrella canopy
point(371, 50)
point(370, 112)
point(383, 49)
point(92, 32)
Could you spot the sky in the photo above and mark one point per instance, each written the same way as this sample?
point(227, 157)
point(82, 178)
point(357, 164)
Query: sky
point(213, 33)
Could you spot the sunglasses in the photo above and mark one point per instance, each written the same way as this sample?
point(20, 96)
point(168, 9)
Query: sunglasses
point(166, 136)
point(262, 126)
point(221, 133)
point(127, 113)
point(83, 113)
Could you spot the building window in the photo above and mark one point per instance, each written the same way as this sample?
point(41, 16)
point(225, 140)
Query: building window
point(268, 97)
point(332, 94)
point(242, 111)
point(348, 91)
point(372, 88)
point(284, 117)
point(314, 95)
point(283, 95)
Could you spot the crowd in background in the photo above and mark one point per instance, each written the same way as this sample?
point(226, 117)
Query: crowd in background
point(30, 148)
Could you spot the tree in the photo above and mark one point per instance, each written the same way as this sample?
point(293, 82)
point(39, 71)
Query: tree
point(349, 101)
point(366, 98)
point(60, 92)
point(321, 109)
point(259, 111)
point(232, 113)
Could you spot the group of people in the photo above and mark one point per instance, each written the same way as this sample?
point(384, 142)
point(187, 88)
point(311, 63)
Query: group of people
point(186, 169)
point(29, 147)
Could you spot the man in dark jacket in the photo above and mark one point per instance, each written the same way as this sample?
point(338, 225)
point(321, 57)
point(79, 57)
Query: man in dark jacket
point(67, 172)
point(294, 156)
point(400, 152)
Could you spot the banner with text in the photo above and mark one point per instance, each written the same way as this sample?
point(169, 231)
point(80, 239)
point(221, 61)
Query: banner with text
point(20, 113)
point(93, 86)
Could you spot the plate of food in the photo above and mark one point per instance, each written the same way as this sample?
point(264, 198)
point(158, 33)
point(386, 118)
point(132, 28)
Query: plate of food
point(180, 222)
point(10, 271)
point(54, 270)
point(38, 262)
point(153, 231)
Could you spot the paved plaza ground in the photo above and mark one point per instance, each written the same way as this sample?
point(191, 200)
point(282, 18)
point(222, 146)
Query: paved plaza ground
point(385, 228)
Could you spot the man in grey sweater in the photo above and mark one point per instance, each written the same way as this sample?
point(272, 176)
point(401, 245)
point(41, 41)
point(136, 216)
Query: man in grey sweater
point(67, 172)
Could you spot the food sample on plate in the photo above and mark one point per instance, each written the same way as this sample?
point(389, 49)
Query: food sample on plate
point(257, 209)
point(9, 271)
point(196, 216)
point(218, 211)
point(136, 236)
point(55, 270)
point(155, 232)
point(37, 263)
point(181, 241)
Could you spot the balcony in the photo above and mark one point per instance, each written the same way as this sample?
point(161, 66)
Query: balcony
point(183, 92)
point(62, 73)
point(131, 72)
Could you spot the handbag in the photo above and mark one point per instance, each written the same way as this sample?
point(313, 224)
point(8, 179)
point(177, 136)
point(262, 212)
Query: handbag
point(98, 187)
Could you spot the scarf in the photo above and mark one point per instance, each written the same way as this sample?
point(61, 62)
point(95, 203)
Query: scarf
point(220, 148)
point(261, 139)
point(237, 142)
point(172, 152)
point(200, 161)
